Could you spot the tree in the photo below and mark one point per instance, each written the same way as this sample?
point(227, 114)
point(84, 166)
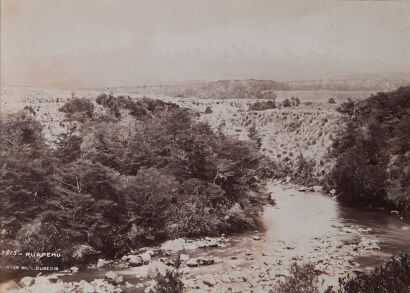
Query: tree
point(253, 135)
point(286, 103)
point(370, 161)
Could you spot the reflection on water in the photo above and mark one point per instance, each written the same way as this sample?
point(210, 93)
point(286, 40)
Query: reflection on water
point(301, 216)
point(393, 233)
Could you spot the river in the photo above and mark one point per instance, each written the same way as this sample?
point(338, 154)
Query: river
point(308, 227)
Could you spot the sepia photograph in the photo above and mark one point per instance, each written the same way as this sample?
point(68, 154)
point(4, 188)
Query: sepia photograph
point(227, 146)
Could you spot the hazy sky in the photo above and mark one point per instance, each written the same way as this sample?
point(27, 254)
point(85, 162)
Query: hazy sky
point(127, 42)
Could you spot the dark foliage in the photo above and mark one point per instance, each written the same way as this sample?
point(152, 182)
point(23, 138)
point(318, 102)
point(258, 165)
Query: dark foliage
point(222, 89)
point(208, 110)
point(141, 109)
point(171, 283)
point(372, 161)
point(286, 103)
point(78, 108)
point(303, 173)
point(112, 187)
point(264, 105)
point(295, 101)
point(392, 277)
point(303, 278)
point(254, 135)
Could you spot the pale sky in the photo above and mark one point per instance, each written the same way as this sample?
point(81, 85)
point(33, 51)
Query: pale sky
point(90, 43)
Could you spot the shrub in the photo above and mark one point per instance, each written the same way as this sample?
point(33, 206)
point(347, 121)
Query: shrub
point(78, 105)
point(30, 110)
point(208, 110)
point(393, 276)
point(331, 101)
point(254, 135)
point(302, 279)
point(297, 102)
point(286, 103)
point(303, 173)
point(294, 101)
point(260, 106)
point(170, 283)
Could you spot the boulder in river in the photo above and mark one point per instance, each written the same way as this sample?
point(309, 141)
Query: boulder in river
point(128, 285)
point(209, 281)
point(146, 257)
point(173, 245)
point(205, 261)
point(26, 281)
point(53, 278)
point(135, 260)
point(184, 270)
point(302, 188)
point(81, 252)
point(317, 188)
point(41, 280)
point(157, 268)
point(218, 260)
point(102, 263)
point(184, 257)
point(113, 278)
point(192, 263)
point(85, 287)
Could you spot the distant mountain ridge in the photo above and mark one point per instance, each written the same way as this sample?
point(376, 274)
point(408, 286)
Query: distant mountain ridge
point(351, 83)
point(260, 89)
point(265, 89)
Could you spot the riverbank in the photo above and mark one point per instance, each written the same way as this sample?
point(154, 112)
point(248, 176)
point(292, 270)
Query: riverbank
point(304, 227)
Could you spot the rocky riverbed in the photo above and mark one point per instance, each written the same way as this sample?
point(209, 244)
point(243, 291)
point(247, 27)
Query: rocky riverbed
point(303, 227)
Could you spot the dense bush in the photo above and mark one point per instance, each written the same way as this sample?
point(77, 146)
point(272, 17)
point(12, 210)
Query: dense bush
point(170, 283)
point(112, 187)
point(303, 173)
point(286, 103)
point(141, 109)
point(264, 105)
point(393, 276)
point(331, 101)
point(302, 278)
point(208, 110)
point(295, 101)
point(372, 152)
point(78, 108)
point(223, 89)
point(254, 135)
